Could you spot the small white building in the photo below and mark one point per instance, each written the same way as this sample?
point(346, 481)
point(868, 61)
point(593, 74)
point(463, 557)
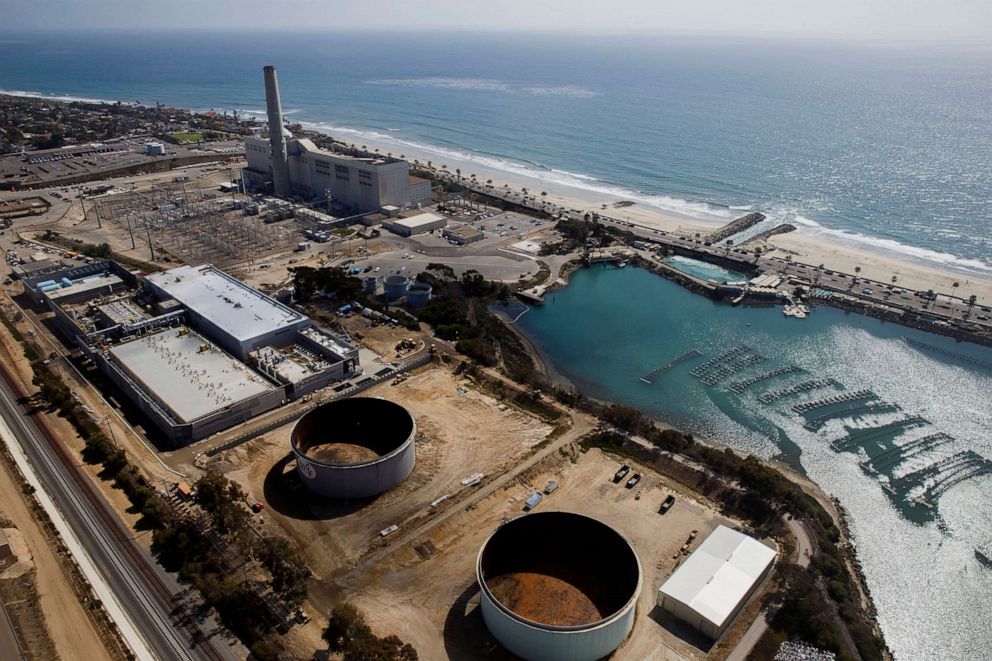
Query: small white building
point(716, 581)
point(154, 149)
point(419, 224)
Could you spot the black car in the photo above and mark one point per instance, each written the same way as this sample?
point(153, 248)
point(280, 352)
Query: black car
point(667, 505)
point(633, 480)
point(621, 473)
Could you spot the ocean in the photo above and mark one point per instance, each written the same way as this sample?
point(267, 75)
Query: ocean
point(883, 146)
point(610, 327)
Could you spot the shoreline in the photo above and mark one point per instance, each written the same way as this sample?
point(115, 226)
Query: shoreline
point(813, 245)
point(809, 246)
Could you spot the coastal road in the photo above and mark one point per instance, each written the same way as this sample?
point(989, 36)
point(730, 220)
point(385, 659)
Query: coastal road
point(122, 565)
point(804, 550)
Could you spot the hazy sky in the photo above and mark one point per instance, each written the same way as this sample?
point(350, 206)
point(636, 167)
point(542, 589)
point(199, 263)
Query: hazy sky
point(896, 19)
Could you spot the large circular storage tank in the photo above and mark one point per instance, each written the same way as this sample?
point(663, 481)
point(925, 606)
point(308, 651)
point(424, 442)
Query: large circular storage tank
point(354, 448)
point(418, 294)
point(558, 586)
point(395, 286)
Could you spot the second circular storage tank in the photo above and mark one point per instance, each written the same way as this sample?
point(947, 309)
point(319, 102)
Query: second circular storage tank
point(418, 294)
point(354, 448)
point(395, 286)
point(558, 586)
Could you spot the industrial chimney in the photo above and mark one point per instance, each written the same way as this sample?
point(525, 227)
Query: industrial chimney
point(280, 161)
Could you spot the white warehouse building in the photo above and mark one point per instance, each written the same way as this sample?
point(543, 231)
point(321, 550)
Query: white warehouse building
point(237, 317)
point(712, 586)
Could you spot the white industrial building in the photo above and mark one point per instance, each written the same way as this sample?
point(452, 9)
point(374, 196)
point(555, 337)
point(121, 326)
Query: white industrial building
point(420, 224)
point(234, 315)
point(716, 581)
point(184, 382)
point(301, 169)
point(179, 343)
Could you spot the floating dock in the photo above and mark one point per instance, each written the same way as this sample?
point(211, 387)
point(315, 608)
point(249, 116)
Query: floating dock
point(862, 436)
point(806, 407)
point(713, 377)
point(923, 346)
point(900, 453)
point(850, 412)
point(773, 396)
point(650, 377)
point(741, 386)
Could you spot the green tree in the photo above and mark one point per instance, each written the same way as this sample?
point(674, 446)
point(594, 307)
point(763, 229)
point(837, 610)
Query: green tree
point(223, 501)
point(288, 569)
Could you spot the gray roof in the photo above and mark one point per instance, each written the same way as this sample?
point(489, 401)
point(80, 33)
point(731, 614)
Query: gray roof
point(187, 374)
point(240, 311)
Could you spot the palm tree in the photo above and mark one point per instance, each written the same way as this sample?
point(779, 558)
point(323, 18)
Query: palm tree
point(972, 300)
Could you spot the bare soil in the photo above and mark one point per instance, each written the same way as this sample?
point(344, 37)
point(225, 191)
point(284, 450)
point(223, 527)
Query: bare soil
point(545, 599)
point(341, 453)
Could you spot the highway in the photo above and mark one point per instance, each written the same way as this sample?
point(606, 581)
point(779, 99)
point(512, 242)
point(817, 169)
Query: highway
point(124, 566)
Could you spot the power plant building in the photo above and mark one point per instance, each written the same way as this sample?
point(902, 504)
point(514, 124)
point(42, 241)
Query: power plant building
point(297, 167)
point(712, 586)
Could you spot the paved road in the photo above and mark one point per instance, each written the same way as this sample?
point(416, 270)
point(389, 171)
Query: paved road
point(581, 425)
point(143, 601)
point(760, 624)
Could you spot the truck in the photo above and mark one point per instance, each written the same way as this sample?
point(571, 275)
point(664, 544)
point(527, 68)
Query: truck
point(620, 474)
point(532, 502)
point(301, 246)
point(667, 504)
point(551, 487)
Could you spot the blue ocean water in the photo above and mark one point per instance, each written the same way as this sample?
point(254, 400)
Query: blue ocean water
point(610, 327)
point(885, 146)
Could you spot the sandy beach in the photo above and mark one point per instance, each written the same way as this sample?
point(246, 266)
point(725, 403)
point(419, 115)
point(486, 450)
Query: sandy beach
point(875, 263)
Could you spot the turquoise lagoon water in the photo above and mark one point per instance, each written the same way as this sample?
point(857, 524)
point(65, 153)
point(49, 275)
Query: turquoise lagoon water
point(610, 327)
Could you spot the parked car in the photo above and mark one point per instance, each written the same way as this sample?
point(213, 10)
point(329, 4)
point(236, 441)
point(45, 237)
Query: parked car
point(620, 474)
point(667, 504)
point(633, 480)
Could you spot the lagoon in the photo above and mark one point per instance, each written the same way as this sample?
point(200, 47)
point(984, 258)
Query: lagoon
point(611, 326)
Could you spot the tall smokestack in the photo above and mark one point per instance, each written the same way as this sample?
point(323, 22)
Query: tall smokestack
point(280, 161)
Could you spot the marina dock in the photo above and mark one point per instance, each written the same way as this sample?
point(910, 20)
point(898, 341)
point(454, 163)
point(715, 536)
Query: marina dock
point(650, 377)
point(862, 436)
point(773, 396)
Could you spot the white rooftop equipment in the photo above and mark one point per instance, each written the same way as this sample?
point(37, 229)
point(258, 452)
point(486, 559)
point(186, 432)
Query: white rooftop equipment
point(187, 374)
point(714, 583)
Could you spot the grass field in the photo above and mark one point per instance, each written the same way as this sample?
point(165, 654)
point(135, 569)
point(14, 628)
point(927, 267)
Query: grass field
point(186, 137)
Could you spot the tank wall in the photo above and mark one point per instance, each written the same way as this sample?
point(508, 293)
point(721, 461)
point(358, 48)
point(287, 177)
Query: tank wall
point(536, 644)
point(359, 481)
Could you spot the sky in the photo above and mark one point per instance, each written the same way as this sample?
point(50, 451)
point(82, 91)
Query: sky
point(941, 20)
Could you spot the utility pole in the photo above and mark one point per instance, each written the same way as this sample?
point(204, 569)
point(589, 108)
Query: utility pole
point(148, 233)
point(130, 231)
point(82, 204)
point(96, 211)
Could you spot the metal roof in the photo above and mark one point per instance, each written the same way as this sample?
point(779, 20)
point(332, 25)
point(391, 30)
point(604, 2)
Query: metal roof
point(234, 307)
point(187, 374)
point(719, 574)
point(419, 220)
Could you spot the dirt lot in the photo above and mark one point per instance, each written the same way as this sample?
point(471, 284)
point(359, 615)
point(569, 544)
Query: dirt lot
point(431, 598)
point(457, 435)
point(61, 623)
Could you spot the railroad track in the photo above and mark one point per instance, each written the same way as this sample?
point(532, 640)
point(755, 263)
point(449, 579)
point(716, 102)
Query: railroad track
point(147, 601)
